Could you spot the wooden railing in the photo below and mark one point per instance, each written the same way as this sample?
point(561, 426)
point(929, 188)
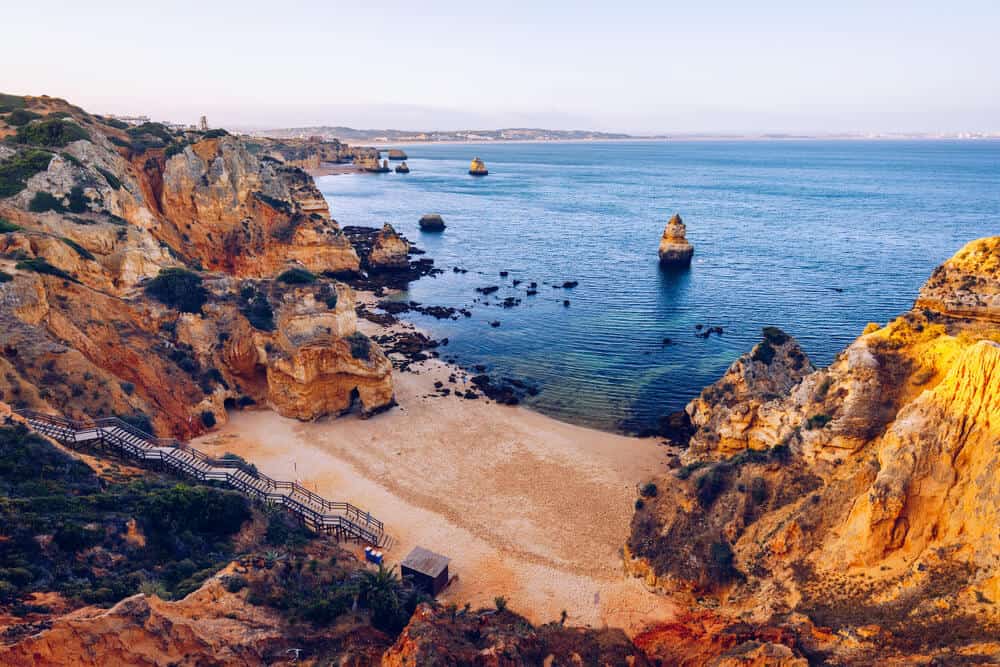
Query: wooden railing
point(340, 519)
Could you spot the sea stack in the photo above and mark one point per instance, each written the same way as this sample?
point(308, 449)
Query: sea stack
point(478, 167)
point(432, 222)
point(402, 168)
point(396, 154)
point(674, 247)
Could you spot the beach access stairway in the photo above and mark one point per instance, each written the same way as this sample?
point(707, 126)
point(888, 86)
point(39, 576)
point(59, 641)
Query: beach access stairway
point(341, 520)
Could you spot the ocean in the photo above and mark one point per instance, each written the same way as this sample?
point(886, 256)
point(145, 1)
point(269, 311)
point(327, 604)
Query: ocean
point(816, 237)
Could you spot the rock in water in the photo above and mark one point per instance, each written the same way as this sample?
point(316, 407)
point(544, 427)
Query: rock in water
point(432, 222)
point(389, 250)
point(478, 168)
point(674, 247)
point(397, 154)
point(403, 168)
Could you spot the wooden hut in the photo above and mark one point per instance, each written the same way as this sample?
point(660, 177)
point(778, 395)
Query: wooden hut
point(426, 569)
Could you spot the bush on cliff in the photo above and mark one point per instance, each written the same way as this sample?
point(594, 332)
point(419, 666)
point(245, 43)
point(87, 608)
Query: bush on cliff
point(51, 132)
point(296, 276)
point(43, 202)
point(178, 288)
point(15, 171)
point(80, 250)
point(39, 265)
point(7, 227)
point(110, 178)
point(10, 102)
point(19, 117)
point(5, 277)
point(361, 346)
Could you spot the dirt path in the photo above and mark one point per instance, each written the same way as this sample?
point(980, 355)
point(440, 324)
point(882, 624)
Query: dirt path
point(525, 506)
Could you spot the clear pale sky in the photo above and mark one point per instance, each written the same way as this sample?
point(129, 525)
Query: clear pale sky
point(630, 66)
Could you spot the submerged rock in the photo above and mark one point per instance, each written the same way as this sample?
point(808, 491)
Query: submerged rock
point(432, 222)
point(478, 167)
point(674, 247)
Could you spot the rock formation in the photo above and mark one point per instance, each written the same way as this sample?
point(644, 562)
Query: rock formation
point(112, 208)
point(432, 222)
point(852, 508)
point(478, 168)
point(389, 250)
point(402, 168)
point(397, 154)
point(674, 247)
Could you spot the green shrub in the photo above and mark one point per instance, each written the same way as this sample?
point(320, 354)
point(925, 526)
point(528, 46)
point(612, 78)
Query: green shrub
point(138, 420)
point(721, 564)
point(501, 603)
point(758, 490)
point(72, 159)
point(763, 353)
point(10, 102)
point(77, 201)
point(110, 178)
point(114, 122)
point(158, 130)
point(45, 201)
point(296, 276)
point(39, 265)
point(50, 132)
point(215, 134)
point(361, 346)
point(178, 288)
point(5, 277)
point(259, 313)
point(7, 227)
point(818, 421)
point(234, 583)
point(174, 148)
point(712, 483)
point(19, 117)
point(648, 490)
point(80, 250)
point(15, 172)
point(208, 418)
point(127, 387)
point(196, 508)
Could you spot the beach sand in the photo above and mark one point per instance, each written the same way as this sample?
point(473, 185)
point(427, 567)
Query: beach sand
point(526, 506)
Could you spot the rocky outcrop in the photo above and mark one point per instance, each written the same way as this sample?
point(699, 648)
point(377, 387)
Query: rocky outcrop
point(110, 210)
point(675, 250)
point(852, 506)
point(500, 638)
point(478, 168)
point(389, 250)
point(320, 364)
point(402, 169)
point(432, 222)
point(397, 154)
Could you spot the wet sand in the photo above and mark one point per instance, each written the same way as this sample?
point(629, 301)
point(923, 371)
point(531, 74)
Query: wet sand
point(526, 506)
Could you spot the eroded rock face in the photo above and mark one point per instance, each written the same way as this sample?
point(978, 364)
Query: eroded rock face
point(432, 222)
point(675, 250)
point(858, 498)
point(389, 250)
point(478, 168)
point(82, 337)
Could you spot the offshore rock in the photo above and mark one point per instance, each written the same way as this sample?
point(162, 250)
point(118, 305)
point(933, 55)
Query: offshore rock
point(432, 222)
point(478, 168)
point(397, 154)
point(389, 250)
point(674, 247)
point(402, 169)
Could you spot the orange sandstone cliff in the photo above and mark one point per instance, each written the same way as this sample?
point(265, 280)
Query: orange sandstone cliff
point(851, 510)
point(91, 210)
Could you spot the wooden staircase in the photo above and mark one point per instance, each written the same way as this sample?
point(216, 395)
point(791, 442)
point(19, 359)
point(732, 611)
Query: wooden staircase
point(341, 520)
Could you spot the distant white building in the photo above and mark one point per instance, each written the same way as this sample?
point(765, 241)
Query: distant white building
point(131, 120)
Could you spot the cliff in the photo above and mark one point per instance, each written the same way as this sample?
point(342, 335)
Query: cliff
point(852, 507)
point(93, 210)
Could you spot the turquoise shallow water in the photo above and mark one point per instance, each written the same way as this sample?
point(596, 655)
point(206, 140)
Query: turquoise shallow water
point(816, 237)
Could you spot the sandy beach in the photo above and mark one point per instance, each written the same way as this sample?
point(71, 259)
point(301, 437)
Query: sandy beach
point(526, 506)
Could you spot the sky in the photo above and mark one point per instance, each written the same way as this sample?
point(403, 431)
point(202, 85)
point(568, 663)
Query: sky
point(639, 67)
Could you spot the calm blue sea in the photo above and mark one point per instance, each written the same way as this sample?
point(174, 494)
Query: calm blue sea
point(816, 237)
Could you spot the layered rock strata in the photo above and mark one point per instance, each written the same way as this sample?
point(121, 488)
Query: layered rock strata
point(675, 250)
